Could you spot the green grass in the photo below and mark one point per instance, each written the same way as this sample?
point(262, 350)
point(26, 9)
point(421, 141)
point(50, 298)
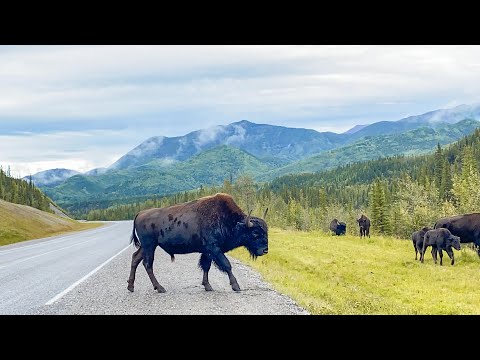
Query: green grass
point(349, 275)
point(20, 223)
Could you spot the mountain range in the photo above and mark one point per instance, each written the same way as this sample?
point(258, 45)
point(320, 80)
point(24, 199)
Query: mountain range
point(162, 165)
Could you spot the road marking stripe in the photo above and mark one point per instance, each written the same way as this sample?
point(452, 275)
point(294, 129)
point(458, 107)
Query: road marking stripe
point(71, 287)
point(44, 253)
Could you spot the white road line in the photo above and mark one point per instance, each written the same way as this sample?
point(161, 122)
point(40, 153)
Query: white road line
point(45, 253)
point(71, 287)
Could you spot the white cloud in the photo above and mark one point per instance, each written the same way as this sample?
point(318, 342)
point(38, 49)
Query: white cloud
point(90, 81)
point(171, 90)
point(238, 137)
point(81, 151)
point(208, 135)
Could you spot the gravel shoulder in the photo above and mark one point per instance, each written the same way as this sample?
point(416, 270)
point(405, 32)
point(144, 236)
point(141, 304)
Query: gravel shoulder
point(106, 292)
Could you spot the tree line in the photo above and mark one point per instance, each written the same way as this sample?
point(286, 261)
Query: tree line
point(400, 194)
point(22, 192)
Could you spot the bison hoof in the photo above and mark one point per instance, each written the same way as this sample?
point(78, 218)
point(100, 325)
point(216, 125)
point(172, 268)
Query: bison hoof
point(235, 287)
point(130, 287)
point(160, 289)
point(208, 287)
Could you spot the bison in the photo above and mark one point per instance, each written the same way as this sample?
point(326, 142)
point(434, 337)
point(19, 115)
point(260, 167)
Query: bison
point(211, 226)
point(466, 226)
point(417, 239)
point(440, 239)
point(338, 227)
point(364, 223)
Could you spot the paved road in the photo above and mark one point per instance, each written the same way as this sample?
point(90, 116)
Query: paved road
point(87, 272)
point(33, 272)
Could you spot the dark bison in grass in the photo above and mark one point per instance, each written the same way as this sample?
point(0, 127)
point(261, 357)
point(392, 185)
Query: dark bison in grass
point(440, 239)
point(364, 224)
point(417, 239)
point(466, 226)
point(211, 226)
point(338, 227)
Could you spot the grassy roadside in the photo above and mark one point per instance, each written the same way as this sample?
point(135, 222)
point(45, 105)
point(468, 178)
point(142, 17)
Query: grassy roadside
point(349, 275)
point(20, 223)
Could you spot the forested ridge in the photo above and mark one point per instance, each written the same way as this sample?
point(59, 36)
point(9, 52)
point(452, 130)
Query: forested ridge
point(400, 194)
point(22, 192)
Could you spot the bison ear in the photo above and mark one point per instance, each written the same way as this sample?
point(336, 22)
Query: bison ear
point(247, 220)
point(265, 213)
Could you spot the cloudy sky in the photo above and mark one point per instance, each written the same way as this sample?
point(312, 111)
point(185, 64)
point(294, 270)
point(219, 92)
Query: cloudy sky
point(82, 107)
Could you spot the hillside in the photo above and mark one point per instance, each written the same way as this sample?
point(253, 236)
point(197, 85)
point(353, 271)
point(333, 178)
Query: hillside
point(20, 222)
point(269, 143)
point(51, 177)
point(24, 192)
point(413, 142)
point(429, 119)
point(209, 167)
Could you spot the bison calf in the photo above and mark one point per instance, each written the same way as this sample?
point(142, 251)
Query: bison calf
point(440, 239)
point(417, 239)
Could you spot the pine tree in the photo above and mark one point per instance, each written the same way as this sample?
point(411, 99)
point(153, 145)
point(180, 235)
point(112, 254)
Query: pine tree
point(438, 165)
point(446, 182)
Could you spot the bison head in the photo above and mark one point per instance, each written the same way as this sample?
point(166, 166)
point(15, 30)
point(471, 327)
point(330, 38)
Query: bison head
point(455, 242)
point(253, 234)
point(341, 228)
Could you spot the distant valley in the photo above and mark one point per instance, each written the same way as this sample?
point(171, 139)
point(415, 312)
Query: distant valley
point(163, 165)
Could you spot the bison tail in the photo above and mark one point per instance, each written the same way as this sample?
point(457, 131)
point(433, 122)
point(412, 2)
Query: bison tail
point(134, 238)
point(172, 257)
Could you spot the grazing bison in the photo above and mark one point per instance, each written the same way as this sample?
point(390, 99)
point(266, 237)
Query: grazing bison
point(417, 239)
point(364, 223)
point(211, 225)
point(440, 239)
point(466, 226)
point(338, 227)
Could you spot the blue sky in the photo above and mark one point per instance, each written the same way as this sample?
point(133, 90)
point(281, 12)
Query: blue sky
point(82, 107)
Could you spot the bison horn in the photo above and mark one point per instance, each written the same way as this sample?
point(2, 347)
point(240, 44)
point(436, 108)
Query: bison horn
point(265, 213)
point(247, 220)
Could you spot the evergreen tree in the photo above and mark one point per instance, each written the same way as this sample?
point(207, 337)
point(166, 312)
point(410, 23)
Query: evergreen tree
point(438, 165)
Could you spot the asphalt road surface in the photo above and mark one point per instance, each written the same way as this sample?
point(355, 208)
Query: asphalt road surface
point(87, 272)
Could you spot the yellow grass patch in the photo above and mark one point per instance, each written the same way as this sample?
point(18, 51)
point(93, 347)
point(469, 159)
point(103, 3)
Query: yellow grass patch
point(348, 275)
point(20, 222)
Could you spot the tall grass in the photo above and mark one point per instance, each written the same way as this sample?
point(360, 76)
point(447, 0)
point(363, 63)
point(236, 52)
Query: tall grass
point(379, 275)
point(20, 223)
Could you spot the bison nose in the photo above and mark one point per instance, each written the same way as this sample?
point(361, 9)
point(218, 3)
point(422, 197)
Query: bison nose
point(265, 251)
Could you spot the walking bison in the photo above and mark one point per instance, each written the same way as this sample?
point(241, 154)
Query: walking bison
point(440, 239)
point(211, 226)
point(417, 239)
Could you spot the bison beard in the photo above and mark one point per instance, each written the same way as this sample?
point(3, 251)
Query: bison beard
point(212, 226)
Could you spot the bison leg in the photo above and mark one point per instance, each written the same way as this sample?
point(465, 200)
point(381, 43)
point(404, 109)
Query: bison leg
point(441, 256)
point(224, 265)
point(450, 254)
point(148, 257)
point(422, 255)
point(136, 258)
point(205, 263)
point(416, 251)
